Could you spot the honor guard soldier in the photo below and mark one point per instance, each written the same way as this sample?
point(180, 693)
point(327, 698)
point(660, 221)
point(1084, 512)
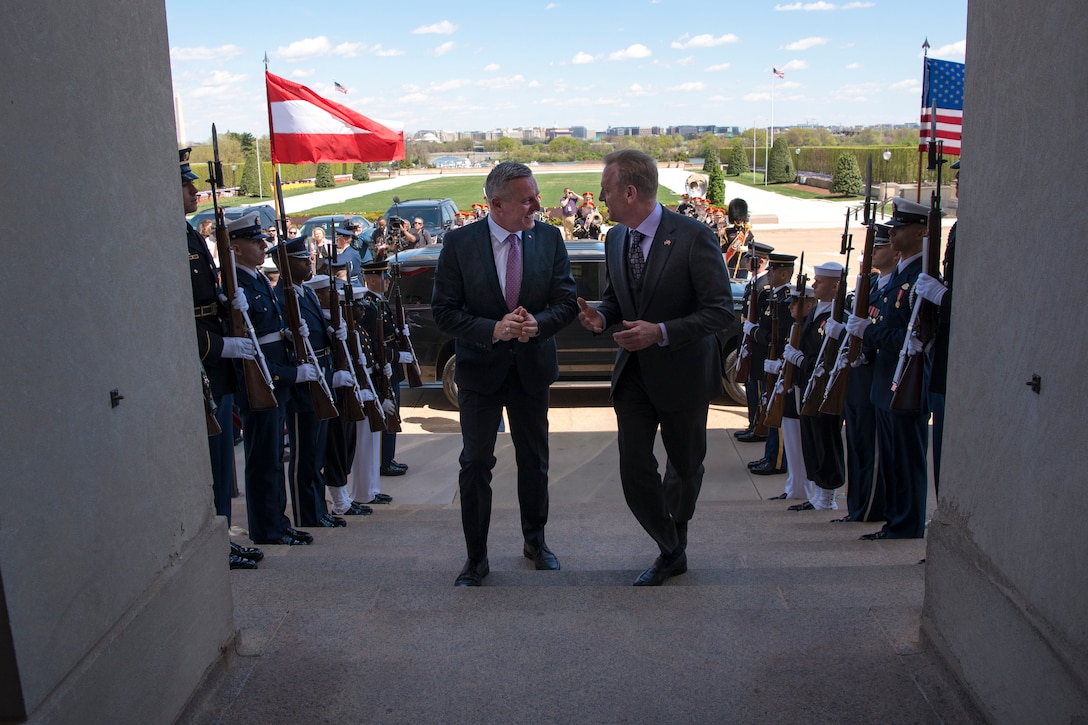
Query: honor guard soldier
point(216, 351)
point(821, 434)
point(773, 306)
point(757, 267)
point(266, 499)
point(865, 488)
point(306, 433)
point(902, 438)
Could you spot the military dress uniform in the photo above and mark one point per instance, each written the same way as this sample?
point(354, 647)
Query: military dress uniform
point(308, 435)
point(266, 497)
point(799, 483)
point(773, 305)
point(821, 434)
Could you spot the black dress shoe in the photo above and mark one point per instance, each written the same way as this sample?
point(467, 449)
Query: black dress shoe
point(392, 471)
point(381, 498)
point(331, 522)
point(806, 506)
point(358, 509)
point(756, 464)
point(751, 438)
point(304, 536)
point(767, 470)
point(473, 573)
point(542, 556)
point(659, 571)
point(743, 432)
point(875, 536)
point(402, 466)
point(779, 497)
point(283, 540)
point(240, 562)
point(843, 520)
point(246, 552)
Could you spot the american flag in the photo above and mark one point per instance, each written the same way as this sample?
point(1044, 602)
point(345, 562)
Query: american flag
point(943, 87)
point(339, 87)
point(778, 73)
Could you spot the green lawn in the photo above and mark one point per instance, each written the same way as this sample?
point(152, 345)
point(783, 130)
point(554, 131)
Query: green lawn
point(746, 180)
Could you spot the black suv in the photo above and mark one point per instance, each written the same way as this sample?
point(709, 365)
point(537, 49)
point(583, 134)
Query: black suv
point(267, 213)
point(438, 215)
point(583, 358)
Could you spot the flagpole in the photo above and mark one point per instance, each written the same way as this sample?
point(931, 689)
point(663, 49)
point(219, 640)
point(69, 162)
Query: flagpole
point(925, 84)
point(770, 136)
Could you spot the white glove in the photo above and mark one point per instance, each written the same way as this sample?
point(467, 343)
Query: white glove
point(405, 357)
point(387, 371)
point(859, 362)
point(307, 373)
point(406, 332)
point(772, 367)
point(930, 288)
point(834, 329)
point(342, 379)
point(303, 329)
point(857, 326)
point(389, 406)
point(749, 327)
point(365, 396)
point(239, 347)
point(239, 302)
point(794, 356)
point(340, 333)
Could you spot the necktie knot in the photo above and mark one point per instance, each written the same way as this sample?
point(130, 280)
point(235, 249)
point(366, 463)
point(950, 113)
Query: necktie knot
point(513, 272)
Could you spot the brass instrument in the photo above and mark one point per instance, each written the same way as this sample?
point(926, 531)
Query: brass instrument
point(738, 244)
point(697, 184)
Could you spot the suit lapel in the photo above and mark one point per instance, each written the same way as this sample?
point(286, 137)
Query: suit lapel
point(660, 249)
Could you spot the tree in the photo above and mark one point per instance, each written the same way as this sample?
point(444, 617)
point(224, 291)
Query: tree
point(847, 177)
point(250, 185)
point(324, 179)
point(738, 158)
point(780, 166)
point(715, 188)
point(710, 155)
point(360, 173)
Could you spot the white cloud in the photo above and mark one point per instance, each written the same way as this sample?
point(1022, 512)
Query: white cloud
point(410, 98)
point(806, 43)
point(443, 28)
point(824, 6)
point(717, 67)
point(685, 61)
point(381, 52)
point(492, 67)
point(704, 41)
point(631, 52)
point(580, 58)
point(444, 48)
point(349, 50)
point(551, 6)
point(793, 65)
point(223, 52)
point(450, 85)
point(692, 86)
point(301, 73)
point(502, 82)
point(910, 84)
point(304, 49)
point(853, 66)
point(758, 96)
point(953, 51)
point(636, 89)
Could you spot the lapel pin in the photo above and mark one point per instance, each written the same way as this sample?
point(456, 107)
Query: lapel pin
point(668, 242)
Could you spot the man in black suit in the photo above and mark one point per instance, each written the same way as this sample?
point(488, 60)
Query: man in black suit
point(503, 288)
point(669, 289)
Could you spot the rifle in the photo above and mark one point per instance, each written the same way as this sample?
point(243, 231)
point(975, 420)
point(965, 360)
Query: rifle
point(909, 377)
point(375, 414)
point(392, 421)
point(835, 392)
point(744, 357)
point(404, 340)
point(769, 380)
point(340, 358)
point(210, 408)
point(784, 382)
point(825, 360)
point(324, 408)
point(260, 390)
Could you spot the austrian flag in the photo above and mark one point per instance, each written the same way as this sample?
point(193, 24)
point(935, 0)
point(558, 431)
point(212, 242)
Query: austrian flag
point(308, 129)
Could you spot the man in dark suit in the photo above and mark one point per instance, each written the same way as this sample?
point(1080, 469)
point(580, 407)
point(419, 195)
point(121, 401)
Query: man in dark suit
point(902, 438)
point(669, 289)
point(503, 288)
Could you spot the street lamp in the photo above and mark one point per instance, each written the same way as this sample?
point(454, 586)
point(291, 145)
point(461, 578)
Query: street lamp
point(884, 194)
point(797, 166)
point(233, 168)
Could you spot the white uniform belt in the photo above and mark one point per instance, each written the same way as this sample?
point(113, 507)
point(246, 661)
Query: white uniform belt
point(270, 337)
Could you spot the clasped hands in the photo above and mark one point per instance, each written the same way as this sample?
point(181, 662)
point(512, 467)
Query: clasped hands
point(518, 325)
point(634, 336)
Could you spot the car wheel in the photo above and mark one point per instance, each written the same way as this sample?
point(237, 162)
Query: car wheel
point(449, 385)
point(734, 391)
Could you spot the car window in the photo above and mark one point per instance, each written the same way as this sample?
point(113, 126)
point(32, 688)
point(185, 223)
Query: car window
point(587, 278)
point(416, 285)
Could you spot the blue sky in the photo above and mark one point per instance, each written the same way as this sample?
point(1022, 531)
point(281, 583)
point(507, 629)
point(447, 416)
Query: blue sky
point(418, 64)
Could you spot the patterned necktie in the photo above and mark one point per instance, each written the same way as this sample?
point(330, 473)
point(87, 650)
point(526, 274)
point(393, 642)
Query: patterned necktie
point(513, 272)
point(634, 256)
